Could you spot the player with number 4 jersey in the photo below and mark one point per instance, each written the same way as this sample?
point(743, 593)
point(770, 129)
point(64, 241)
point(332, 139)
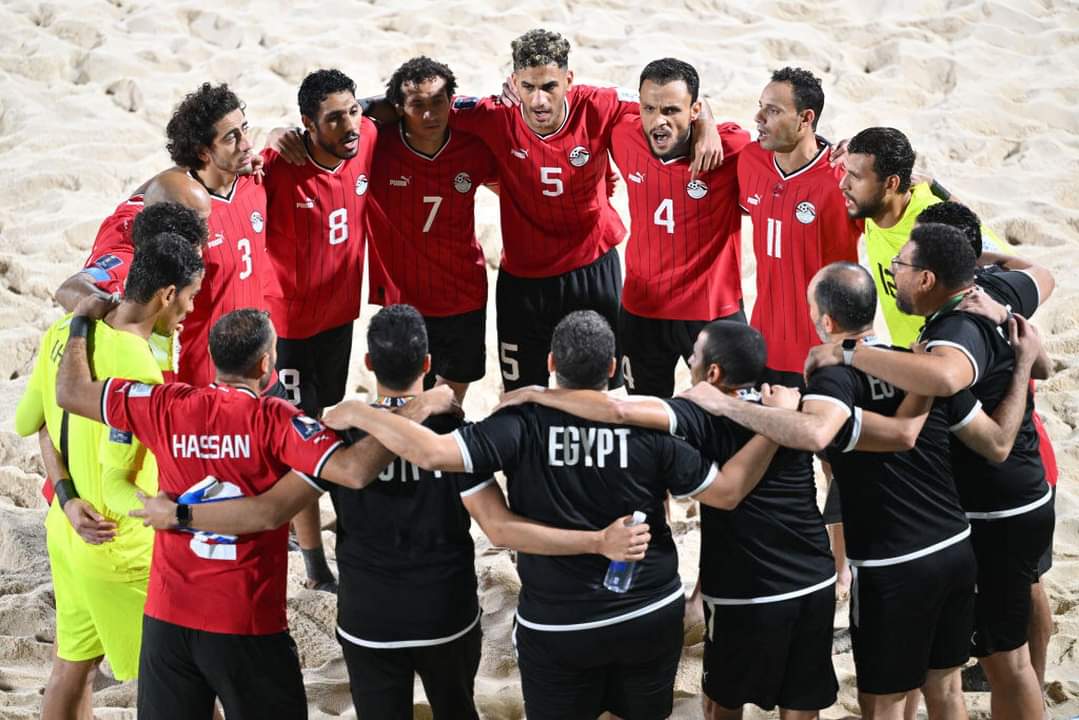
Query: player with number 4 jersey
point(800, 221)
point(684, 251)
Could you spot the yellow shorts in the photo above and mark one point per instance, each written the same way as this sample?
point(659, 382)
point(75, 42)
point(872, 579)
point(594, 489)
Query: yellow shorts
point(94, 616)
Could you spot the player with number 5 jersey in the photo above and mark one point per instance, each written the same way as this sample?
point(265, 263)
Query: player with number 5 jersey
point(316, 240)
point(684, 250)
point(800, 221)
point(235, 253)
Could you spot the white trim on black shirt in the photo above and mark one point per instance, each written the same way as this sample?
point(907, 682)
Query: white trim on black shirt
point(829, 398)
point(968, 418)
point(321, 464)
point(1022, 509)
point(771, 598)
point(1037, 287)
point(476, 488)
point(632, 615)
point(672, 419)
point(856, 432)
point(882, 562)
point(948, 343)
point(708, 480)
point(466, 456)
point(398, 644)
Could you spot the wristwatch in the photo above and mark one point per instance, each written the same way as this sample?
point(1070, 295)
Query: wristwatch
point(183, 515)
point(848, 350)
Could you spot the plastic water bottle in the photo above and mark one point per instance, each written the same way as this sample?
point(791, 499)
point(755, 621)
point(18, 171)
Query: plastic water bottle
point(620, 573)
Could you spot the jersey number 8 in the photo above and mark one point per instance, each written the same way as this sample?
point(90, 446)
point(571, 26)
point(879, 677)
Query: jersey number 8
point(338, 221)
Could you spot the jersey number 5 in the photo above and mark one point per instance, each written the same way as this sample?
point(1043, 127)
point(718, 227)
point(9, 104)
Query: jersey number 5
point(549, 177)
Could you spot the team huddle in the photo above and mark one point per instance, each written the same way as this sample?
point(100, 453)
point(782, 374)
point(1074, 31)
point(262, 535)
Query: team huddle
point(191, 404)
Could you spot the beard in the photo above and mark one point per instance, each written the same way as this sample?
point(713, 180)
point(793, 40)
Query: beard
point(869, 209)
point(904, 303)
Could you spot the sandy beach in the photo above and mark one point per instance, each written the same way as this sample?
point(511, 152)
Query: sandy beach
point(986, 91)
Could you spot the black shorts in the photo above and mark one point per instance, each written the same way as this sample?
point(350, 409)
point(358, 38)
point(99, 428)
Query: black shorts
point(770, 654)
point(912, 617)
point(314, 370)
point(529, 308)
point(382, 679)
point(1045, 562)
point(1008, 550)
point(627, 668)
point(182, 670)
point(457, 346)
point(651, 348)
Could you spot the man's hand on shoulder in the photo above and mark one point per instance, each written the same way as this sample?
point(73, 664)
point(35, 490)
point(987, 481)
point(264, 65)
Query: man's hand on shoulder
point(823, 356)
point(520, 396)
point(288, 142)
point(97, 305)
point(707, 151)
point(978, 302)
point(439, 400)
point(779, 396)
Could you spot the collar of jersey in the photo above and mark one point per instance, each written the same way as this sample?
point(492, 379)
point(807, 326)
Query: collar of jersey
point(386, 401)
point(414, 151)
point(821, 148)
point(316, 163)
point(215, 196)
point(237, 388)
point(548, 136)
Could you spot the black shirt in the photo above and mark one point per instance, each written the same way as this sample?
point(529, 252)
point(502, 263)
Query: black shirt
point(894, 504)
point(573, 473)
point(990, 490)
point(774, 542)
point(405, 553)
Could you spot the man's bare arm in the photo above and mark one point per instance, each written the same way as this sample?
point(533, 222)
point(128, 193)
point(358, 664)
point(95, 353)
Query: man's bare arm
point(595, 405)
point(401, 436)
point(79, 286)
point(88, 523)
point(507, 529)
point(941, 372)
point(898, 433)
point(739, 475)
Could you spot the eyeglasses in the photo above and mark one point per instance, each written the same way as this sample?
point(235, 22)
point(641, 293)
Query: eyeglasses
point(897, 261)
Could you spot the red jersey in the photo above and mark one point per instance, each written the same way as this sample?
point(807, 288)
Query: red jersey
point(204, 581)
point(236, 268)
point(556, 215)
point(422, 224)
point(683, 259)
point(110, 257)
point(315, 241)
point(800, 224)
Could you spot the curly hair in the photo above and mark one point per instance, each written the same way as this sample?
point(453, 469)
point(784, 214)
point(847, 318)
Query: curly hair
point(168, 217)
point(808, 93)
point(583, 348)
point(191, 126)
point(416, 71)
point(945, 251)
point(540, 47)
point(319, 85)
point(960, 217)
point(164, 260)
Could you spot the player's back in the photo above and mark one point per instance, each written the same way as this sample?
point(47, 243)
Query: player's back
point(899, 502)
point(774, 542)
point(236, 269)
point(683, 260)
point(315, 238)
point(800, 224)
point(556, 215)
point(422, 224)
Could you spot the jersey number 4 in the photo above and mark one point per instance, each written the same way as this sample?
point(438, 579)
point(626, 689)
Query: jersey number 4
point(664, 215)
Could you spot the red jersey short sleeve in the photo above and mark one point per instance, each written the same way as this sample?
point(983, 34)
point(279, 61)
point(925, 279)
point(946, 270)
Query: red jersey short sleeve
point(112, 252)
point(315, 239)
point(800, 224)
point(422, 224)
point(212, 443)
point(683, 259)
point(556, 216)
point(236, 268)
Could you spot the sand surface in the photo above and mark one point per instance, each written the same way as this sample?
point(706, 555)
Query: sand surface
point(987, 91)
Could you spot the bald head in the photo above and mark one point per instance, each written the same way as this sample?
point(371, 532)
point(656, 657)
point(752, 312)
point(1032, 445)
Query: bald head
point(175, 185)
point(844, 291)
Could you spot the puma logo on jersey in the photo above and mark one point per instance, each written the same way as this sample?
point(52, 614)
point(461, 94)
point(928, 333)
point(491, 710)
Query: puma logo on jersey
point(402, 181)
point(637, 177)
point(753, 200)
point(218, 239)
point(307, 203)
point(805, 212)
point(519, 153)
point(579, 156)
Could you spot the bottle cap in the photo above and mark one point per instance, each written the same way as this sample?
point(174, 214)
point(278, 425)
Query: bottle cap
point(637, 519)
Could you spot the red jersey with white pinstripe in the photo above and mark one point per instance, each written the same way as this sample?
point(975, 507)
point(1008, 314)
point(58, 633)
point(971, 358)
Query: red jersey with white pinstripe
point(112, 253)
point(556, 215)
point(800, 224)
point(315, 239)
point(218, 583)
point(236, 268)
point(683, 259)
point(422, 224)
